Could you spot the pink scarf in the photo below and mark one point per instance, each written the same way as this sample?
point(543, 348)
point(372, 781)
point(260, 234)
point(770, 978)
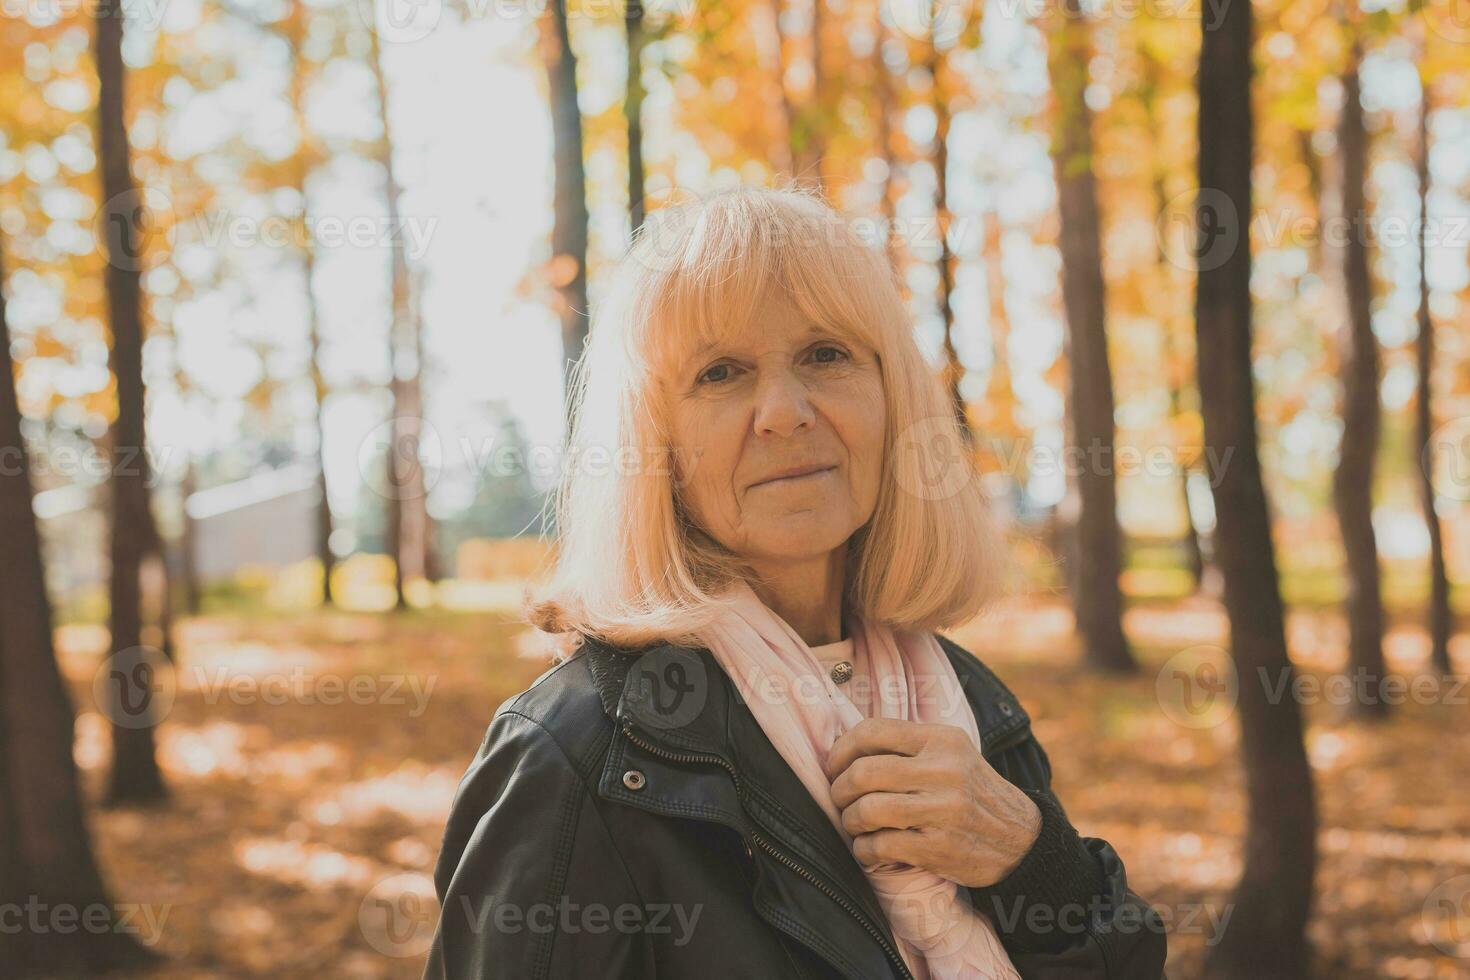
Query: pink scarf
point(903, 674)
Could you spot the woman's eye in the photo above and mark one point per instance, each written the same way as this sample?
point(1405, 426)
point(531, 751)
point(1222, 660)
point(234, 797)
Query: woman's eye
point(829, 355)
point(715, 374)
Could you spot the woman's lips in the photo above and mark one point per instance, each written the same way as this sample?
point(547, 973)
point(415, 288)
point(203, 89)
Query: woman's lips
point(796, 478)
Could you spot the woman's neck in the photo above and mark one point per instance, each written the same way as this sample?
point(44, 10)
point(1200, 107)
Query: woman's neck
point(807, 595)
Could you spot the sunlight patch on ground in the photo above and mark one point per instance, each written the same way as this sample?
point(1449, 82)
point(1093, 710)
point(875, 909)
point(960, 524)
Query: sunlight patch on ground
point(1329, 750)
point(1021, 629)
point(226, 749)
point(1316, 640)
point(414, 792)
point(214, 665)
point(300, 763)
point(242, 919)
point(80, 647)
point(1201, 862)
point(92, 741)
point(1430, 848)
point(217, 749)
point(411, 852)
point(1190, 622)
point(298, 863)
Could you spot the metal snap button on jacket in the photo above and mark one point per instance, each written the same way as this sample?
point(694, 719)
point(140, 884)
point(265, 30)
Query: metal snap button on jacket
point(633, 779)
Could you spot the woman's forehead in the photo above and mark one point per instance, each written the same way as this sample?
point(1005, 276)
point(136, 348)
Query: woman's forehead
point(773, 326)
point(762, 300)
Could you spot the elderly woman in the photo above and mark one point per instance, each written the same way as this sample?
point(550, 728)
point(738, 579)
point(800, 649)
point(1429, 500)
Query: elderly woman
point(755, 757)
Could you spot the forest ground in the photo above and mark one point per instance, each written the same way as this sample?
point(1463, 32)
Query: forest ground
point(293, 825)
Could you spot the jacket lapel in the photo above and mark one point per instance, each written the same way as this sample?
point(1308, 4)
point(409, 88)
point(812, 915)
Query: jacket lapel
point(676, 703)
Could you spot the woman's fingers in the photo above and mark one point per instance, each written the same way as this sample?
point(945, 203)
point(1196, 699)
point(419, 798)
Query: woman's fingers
point(880, 811)
point(888, 847)
point(893, 775)
point(876, 736)
point(877, 774)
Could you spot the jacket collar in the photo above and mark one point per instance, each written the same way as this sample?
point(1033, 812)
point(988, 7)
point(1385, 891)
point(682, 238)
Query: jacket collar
point(680, 695)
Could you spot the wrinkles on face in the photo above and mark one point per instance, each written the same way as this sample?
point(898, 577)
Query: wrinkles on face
point(782, 395)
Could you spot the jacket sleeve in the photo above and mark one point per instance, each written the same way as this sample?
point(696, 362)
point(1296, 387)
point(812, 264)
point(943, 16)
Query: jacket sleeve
point(1066, 910)
point(529, 881)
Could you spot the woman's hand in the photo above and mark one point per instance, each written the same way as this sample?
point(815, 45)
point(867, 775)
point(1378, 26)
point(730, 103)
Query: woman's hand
point(920, 794)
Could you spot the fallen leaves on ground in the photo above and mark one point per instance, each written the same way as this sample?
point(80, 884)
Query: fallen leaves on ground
point(303, 806)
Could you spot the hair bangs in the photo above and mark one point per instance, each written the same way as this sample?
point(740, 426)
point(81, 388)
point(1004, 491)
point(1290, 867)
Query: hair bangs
point(712, 263)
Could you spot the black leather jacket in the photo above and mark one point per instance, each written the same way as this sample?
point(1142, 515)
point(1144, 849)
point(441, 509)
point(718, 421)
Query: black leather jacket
point(626, 817)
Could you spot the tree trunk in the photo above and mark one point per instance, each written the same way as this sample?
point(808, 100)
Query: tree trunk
point(771, 56)
point(45, 850)
point(805, 148)
point(883, 135)
point(954, 370)
point(406, 527)
point(424, 528)
point(1194, 552)
point(301, 175)
point(1266, 939)
point(633, 111)
point(1352, 484)
point(1174, 373)
point(1000, 394)
point(569, 228)
point(393, 476)
point(1440, 619)
point(812, 153)
point(1098, 598)
point(135, 777)
point(569, 225)
point(188, 538)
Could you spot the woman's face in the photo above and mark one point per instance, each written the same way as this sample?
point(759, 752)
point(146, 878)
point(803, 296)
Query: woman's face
point(778, 437)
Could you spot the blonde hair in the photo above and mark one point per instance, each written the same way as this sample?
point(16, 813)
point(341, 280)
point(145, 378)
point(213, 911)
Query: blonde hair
point(630, 568)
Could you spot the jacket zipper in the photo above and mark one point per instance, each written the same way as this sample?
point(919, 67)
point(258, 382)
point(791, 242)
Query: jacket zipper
point(873, 930)
point(765, 845)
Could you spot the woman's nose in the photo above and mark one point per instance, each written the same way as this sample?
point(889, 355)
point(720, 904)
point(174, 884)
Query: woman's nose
point(782, 406)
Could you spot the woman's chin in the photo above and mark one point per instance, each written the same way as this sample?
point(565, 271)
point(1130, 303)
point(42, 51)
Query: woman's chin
point(800, 537)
